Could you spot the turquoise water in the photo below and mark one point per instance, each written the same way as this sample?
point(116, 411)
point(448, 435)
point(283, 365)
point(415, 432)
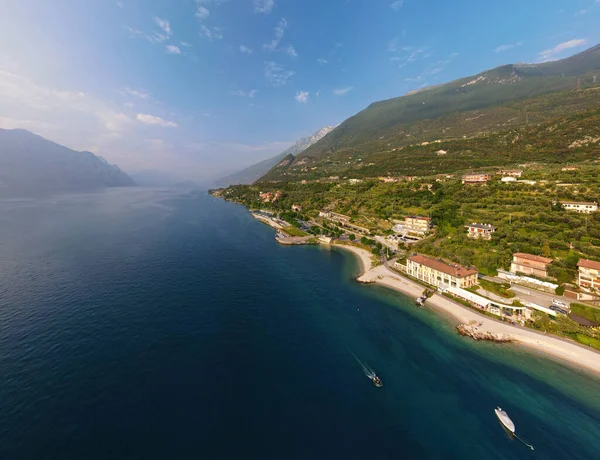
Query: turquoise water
point(157, 324)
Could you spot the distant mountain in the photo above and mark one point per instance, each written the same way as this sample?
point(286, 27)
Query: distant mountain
point(252, 173)
point(30, 164)
point(491, 101)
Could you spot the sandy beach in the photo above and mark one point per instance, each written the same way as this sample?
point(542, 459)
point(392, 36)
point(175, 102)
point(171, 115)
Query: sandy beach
point(565, 351)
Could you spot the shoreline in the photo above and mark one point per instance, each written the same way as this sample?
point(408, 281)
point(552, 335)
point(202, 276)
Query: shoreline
point(563, 351)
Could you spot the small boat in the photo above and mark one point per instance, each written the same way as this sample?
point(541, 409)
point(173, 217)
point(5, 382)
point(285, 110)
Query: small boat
point(376, 381)
point(508, 425)
point(421, 300)
point(505, 419)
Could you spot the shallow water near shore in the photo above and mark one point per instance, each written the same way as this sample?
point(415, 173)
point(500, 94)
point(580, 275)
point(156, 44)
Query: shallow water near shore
point(155, 324)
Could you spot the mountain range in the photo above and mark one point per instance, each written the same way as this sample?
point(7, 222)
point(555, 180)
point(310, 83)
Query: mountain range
point(252, 173)
point(500, 100)
point(30, 164)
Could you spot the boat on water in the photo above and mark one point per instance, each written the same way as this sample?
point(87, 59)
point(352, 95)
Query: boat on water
point(505, 419)
point(376, 381)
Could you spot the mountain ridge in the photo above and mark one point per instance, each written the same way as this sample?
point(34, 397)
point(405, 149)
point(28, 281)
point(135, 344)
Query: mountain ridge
point(442, 111)
point(254, 172)
point(32, 164)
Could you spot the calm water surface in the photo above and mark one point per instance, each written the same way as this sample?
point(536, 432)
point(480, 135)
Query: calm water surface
point(153, 324)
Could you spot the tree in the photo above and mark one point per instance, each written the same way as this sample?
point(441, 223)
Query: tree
point(546, 252)
point(352, 237)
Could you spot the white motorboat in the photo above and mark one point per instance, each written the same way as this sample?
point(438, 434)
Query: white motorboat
point(505, 419)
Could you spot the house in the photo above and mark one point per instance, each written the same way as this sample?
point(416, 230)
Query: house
point(589, 274)
point(354, 181)
point(440, 274)
point(511, 172)
point(580, 206)
point(296, 208)
point(530, 264)
point(476, 179)
point(480, 231)
point(418, 223)
point(570, 168)
point(508, 179)
point(414, 226)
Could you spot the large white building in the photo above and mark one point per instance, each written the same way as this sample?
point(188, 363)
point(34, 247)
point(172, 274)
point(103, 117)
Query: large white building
point(577, 206)
point(440, 274)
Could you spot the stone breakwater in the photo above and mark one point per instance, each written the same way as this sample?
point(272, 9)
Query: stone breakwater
point(472, 330)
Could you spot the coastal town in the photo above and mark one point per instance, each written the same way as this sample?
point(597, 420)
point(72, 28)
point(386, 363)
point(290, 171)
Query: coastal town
point(530, 289)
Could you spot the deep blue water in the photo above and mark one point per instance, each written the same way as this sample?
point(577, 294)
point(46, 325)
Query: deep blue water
point(149, 324)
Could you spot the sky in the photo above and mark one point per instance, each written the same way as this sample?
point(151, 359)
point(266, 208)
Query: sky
point(200, 88)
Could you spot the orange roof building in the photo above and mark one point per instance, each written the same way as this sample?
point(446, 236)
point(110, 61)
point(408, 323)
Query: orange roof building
point(439, 273)
point(530, 264)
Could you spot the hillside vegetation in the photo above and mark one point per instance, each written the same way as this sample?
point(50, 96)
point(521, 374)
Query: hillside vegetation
point(506, 98)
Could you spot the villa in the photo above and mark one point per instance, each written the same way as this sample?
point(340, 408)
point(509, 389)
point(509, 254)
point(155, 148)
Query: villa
point(480, 231)
point(589, 274)
point(530, 264)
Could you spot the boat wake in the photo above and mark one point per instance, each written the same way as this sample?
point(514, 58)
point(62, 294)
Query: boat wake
point(368, 370)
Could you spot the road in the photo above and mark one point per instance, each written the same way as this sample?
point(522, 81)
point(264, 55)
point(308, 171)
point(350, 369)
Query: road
point(528, 294)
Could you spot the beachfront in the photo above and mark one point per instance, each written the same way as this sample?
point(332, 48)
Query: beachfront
point(558, 348)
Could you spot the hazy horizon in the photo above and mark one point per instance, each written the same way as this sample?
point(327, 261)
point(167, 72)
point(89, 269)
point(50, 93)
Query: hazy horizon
point(199, 89)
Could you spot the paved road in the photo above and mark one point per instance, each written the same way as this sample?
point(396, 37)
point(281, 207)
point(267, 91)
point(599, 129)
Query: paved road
point(538, 297)
point(528, 294)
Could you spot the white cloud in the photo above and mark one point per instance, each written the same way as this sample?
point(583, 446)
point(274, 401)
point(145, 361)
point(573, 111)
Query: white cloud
point(119, 4)
point(279, 33)
point(264, 6)
point(202, 12)
point(322, 61)
point(244, 49)
point(342, 91)
point(186, 44)
point(136, 93)
point(164, 25)
point(251, 94)
point(212, 33)
point(172, 49)
point(154, 37)
point(501, 48)
point(291, 51)
point(153, 120)
point(277, 75)
point(302, 97)
point(552, 53)
point(397, 5)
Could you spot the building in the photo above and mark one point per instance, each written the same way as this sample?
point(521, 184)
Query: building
point(344, 221)
point(580, 206)
point(508, 179)
point(476, 179)
point(354, 181)
point(480, 231)
point(440, 274)
point(589, 274)
point(530, 264)
point(296, 208)
point(418, 223)
point(511, 172)
point(413, 227)
point(570, 168)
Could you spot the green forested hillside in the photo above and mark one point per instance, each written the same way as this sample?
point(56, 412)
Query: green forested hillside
point(565, 139)
point(508, 97)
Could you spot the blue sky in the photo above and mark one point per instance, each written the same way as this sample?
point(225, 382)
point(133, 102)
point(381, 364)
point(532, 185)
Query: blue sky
point(197, 88)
